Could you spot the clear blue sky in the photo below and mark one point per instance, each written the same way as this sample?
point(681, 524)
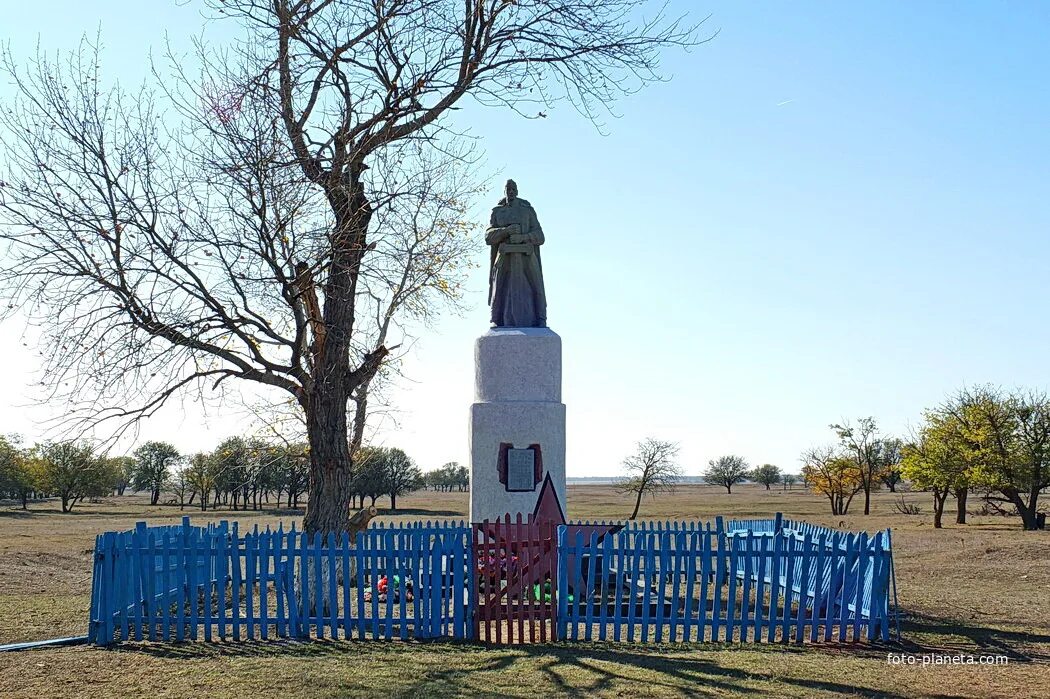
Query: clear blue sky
point(832, 210)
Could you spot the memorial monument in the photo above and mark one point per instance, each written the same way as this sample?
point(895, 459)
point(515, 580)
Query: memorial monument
point(517, 421)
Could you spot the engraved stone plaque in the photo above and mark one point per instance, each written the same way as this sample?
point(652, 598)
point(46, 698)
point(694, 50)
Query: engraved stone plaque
point(521, 470)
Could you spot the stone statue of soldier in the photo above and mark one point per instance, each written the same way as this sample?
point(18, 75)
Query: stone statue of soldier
point(516, 294)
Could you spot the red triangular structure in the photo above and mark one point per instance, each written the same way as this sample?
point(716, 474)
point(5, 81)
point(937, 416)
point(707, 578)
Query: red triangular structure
point(548, 507)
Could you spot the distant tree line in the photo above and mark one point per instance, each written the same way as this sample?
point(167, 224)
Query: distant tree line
point(653, 468)
point(70, 471)
point(448, 477)
point(239, 474)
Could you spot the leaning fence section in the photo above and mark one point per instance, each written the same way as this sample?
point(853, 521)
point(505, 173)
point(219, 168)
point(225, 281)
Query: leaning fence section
point(216, 582)
point(724, 584)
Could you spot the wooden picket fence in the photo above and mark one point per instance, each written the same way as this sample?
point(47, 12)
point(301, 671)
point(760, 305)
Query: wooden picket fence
point(515, 581)
point(746, 581)
point(185, 582)
point(692, 582)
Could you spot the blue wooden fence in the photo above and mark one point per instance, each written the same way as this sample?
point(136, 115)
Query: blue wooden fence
point(731, 580)
point(747, 581)
point(185, 582)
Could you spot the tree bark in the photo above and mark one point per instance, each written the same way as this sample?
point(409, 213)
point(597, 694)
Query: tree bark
point(333, 382)
point(867, 499)
point(960, 505)
point(1026, 510)
point(938, 507)
point(329, 488)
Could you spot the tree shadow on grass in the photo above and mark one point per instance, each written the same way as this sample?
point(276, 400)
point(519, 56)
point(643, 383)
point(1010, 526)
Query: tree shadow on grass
point(923, 633)
point(420, 512)
point(17, 514)
point(573, 670)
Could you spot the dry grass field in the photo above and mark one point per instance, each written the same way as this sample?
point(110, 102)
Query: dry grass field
point(980, 589)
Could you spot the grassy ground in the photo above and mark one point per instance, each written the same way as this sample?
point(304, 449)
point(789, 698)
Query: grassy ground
point(978, 589)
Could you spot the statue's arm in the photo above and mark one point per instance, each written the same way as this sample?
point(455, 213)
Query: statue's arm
point(496, 234)
point(535, 232)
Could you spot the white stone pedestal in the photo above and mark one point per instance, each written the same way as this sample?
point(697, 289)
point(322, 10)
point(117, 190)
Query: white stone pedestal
point(517, 402)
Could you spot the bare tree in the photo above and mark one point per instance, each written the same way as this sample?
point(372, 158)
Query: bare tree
point(653, 468)
point(727, 471)
point(226, 226)
point(863, 445)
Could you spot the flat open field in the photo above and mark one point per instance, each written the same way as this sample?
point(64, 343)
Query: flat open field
point(981, 589)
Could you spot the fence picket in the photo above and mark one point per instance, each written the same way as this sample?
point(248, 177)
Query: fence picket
point(803, 586)
point(687, 584)
point(746, 611)
point(775, 568)
point(790, 559)
point(207, 585)
point(862, 558)
point(359, 557)
point(819, 598)
point(847, 567)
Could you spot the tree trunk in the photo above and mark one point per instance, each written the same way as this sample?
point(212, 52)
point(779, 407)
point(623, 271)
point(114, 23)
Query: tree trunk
point(393, 502)
point(767, 486)
point(637, 503)
point(329, 489)
point(960, 505)
point(1026, 510)
point(155, 496)
point(328, 503)
point(938, 507)
point(729, 488)
point(867, 499)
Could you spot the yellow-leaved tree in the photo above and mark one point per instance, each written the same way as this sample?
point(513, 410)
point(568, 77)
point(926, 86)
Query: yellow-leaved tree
point(834, 474)
point(940, 459)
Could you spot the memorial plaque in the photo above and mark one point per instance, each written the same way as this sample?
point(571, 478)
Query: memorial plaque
point(521, 470)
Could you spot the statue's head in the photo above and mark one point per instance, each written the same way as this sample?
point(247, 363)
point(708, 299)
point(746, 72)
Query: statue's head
point(511, 190)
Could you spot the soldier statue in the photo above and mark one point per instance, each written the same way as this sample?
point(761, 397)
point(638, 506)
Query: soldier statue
point(516, 294)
